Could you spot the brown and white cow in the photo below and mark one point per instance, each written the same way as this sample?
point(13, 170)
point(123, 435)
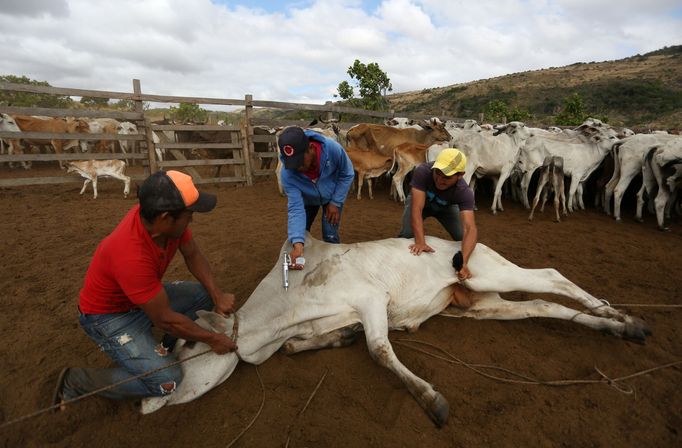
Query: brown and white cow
point(384, 139)
point(407, 156)
point(29, 123)
point(92, 169)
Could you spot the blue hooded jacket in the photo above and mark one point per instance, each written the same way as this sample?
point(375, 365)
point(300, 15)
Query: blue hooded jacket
point(336, 177)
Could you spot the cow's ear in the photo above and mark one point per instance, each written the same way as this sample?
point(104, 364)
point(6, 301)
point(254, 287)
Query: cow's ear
point(215, 321)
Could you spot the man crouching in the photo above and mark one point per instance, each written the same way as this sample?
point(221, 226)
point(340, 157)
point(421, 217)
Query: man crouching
point(123, 296)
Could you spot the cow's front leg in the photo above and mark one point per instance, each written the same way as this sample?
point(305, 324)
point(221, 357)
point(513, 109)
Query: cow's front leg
point(338, 338)
point(376, 331)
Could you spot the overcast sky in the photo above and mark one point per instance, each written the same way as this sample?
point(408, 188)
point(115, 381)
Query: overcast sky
point(299, 51)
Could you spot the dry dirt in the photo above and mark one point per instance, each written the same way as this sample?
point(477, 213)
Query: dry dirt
point(50, 232)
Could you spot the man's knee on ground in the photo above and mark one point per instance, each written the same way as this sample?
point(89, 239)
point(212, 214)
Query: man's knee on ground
point(164, 382)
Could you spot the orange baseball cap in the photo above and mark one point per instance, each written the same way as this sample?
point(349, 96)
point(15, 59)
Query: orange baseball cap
point(174, 190)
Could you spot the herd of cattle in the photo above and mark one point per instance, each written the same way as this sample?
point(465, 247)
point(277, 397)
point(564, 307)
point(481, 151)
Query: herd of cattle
point(509, 154)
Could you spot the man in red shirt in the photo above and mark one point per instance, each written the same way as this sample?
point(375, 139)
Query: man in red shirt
point(123, 296)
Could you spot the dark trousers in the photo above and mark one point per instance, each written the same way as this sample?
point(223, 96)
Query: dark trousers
point(447, 215)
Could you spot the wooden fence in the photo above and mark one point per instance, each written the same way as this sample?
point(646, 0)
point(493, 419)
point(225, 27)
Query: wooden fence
point(230, 158)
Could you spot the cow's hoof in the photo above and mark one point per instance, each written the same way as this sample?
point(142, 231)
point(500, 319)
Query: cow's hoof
point(664, 229)
point(439, 410)
point(636, 331)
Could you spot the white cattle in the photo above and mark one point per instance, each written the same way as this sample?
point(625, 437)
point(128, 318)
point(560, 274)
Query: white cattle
point(492, 155)
point(582, 154)
point(127, 128)
point(402, 123)
point(7, 124)
point(92, 169)
point(628, 156)
point(378, 286)
point(104, 126)
point(551, 178)
point(663, 161)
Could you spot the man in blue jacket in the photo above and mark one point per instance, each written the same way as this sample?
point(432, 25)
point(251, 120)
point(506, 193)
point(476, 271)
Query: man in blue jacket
point(318, 173)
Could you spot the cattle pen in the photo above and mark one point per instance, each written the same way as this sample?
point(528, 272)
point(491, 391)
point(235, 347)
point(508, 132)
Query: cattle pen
point(229, 157)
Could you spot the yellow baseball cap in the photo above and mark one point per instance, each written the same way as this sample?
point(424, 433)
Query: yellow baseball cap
point(450, 161)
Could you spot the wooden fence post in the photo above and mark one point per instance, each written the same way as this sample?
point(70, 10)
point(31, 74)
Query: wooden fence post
point(247, 138)
point(328, 115)
point(139, 107)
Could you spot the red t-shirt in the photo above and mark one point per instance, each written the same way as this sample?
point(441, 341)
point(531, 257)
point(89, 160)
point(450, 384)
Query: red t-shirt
point(314, 171)
point(127, 268)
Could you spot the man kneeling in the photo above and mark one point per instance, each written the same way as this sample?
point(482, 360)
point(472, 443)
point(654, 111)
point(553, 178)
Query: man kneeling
point(123, 296)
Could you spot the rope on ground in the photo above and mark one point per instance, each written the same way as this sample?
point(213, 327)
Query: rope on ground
point(616, 383)
point(319, 383)
point(101, 389)
point(253, 420)
point(652, 305)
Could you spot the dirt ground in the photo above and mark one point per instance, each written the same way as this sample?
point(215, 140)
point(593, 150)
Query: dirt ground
point(48, 235)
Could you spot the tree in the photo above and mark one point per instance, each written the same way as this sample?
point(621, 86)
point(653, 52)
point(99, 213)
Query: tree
point(26, 99)
point(573, 113)
point(188, 113)
point(498, 111)
point(125, 105)
point(372, 83)
point(92, 101)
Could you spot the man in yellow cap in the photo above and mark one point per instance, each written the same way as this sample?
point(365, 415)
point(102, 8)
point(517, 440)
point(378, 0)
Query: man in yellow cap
point(439, 190)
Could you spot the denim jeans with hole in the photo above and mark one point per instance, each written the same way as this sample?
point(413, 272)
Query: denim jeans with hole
point(127, 339)
point(330, 232)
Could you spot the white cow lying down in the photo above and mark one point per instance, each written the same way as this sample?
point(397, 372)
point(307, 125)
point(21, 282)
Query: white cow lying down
point(378, 286)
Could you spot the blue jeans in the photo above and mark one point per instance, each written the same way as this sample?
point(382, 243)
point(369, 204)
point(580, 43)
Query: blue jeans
point(330, 232)
point(127, 339)
point(447, 215)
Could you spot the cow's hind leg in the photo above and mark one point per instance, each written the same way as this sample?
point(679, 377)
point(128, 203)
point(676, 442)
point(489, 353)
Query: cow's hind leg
point(85, 184)
point(507, 277)
point(338, 338)
point(376, 331)
point(489, 305)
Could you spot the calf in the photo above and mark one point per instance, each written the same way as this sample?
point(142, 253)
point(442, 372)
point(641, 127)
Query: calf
point(91, 169)
point(551, 178)
point(407, 156)
point(368, 165)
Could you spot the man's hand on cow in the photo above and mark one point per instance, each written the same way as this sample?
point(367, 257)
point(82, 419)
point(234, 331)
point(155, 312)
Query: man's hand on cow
point(418, 248)
point(295, 255)
point(224, 303)
point(464, 273)
point(221, 344)
point(332, 213)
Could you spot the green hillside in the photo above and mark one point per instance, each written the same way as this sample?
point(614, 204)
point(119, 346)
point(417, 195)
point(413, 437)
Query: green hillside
point(642, 91)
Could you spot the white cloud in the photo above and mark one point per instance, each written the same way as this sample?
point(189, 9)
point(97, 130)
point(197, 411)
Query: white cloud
point(301, 52)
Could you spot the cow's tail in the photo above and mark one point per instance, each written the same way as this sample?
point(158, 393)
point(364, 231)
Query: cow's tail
point(615, 149)
point(393, 165)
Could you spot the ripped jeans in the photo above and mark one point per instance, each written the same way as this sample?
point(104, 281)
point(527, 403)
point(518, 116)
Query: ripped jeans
point(127, 339)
